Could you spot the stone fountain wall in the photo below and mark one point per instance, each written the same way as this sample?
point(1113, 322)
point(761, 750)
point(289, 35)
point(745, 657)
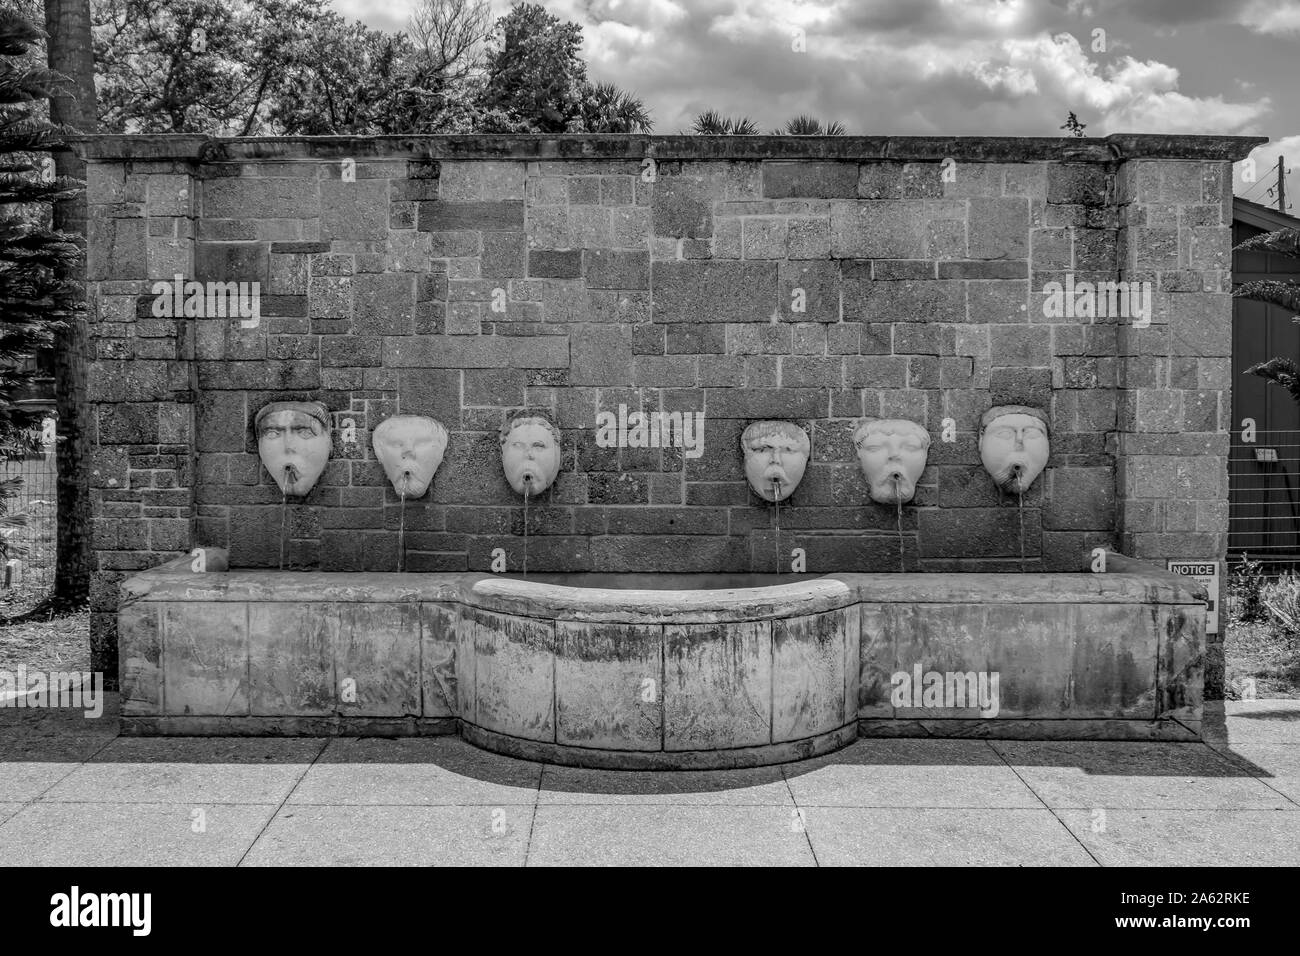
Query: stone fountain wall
point(466, 278)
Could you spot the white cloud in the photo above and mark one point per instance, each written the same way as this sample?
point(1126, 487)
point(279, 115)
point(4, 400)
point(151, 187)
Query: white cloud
point(1271, 16)
point(391, 15)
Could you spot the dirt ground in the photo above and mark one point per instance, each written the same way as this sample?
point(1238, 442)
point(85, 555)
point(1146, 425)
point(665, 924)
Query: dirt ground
point(55, 644)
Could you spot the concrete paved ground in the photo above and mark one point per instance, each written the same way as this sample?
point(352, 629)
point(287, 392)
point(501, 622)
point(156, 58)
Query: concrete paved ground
point(73, 792)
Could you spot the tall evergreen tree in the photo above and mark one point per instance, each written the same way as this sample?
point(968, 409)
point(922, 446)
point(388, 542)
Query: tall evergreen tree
point(37, 300)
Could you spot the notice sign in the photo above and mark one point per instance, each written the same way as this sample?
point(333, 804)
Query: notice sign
point(1207, 574)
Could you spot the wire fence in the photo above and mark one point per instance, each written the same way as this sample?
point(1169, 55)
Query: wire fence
point(1264, 500)
point(31, 545)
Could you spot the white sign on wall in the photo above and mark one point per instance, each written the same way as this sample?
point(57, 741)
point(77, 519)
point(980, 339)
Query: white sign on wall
point(1207, 574)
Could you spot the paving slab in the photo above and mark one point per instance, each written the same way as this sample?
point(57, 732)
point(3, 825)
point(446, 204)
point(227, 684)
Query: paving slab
point(1189, 837)
point(190, 770)
point(909, 773)
point(761, 786)
point(7, 810)
point(862, 836)
point(1135, 775)
point(437, 771)
point(630, 835)
point(1275, 765)
point(29, 766)
point(394, 836)
point(1271, 721)
point(129, 834)
point(22, 780)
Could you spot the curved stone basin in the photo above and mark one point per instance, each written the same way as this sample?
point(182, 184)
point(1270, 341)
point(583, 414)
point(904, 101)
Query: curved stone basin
point(673, 671)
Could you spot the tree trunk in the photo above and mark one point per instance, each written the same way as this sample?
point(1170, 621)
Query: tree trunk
point(70, 52)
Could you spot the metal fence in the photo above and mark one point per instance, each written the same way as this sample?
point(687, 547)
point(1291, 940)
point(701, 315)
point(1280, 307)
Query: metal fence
point(1264, 500)
point(31, 546)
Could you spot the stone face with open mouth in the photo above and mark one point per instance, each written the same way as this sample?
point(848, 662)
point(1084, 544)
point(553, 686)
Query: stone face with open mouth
point(892, 453)
point(293, 441)
point(530, 454)
point(776, 454)
point(1014, 445)
point(410, 447)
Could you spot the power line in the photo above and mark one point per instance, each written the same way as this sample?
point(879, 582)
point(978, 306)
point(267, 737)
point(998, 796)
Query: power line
point(1252, 188)
point(1257, 185)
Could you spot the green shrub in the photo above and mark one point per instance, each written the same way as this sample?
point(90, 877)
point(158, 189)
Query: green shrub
point(1281, 598)
point(1245, 591)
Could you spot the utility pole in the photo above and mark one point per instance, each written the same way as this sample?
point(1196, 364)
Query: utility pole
point(1281, 184)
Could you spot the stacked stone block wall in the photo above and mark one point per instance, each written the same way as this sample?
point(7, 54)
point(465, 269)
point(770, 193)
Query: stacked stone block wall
point(471, 281)
point(140, 379)
point(1176, 376)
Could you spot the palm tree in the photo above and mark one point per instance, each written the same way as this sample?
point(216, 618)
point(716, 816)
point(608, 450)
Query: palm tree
point(612, 110)
point(713, 123)
point(1283, 242)
point(810, 126)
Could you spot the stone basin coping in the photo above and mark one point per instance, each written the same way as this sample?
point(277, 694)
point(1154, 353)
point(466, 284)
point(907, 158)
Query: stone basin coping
point(175, 581)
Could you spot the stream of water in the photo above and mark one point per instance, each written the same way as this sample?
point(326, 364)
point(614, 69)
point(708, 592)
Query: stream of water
point(290, 476)
point(528, 486)
point(1020, 508)
point(776, 496)
point(284, 516)
point(898, 525)
point(401, 531)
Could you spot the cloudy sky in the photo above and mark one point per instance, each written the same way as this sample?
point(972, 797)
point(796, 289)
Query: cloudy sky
point(963, 67)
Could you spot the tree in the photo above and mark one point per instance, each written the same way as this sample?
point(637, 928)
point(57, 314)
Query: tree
point(209, 66)
point(449, 37)
point(72, 106)
point(444, 72)
point(536, 80)
point(810, 126)
point(37, 300)
point(608, 109)
point(168, 67)
point(293, 67)
point(346, 78)
point(713, 123)
point(349, 79)
point(1073, 126)
point(1284, 242)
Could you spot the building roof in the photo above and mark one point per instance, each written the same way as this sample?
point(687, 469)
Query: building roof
point(1260, 216)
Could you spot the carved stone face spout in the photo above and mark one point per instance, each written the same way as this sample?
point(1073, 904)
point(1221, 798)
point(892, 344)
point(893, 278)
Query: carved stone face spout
point(410, 447)
point(530, 454)
point(1014, 445)
point(892, 453)
point(776, 454)
point(293, 441)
